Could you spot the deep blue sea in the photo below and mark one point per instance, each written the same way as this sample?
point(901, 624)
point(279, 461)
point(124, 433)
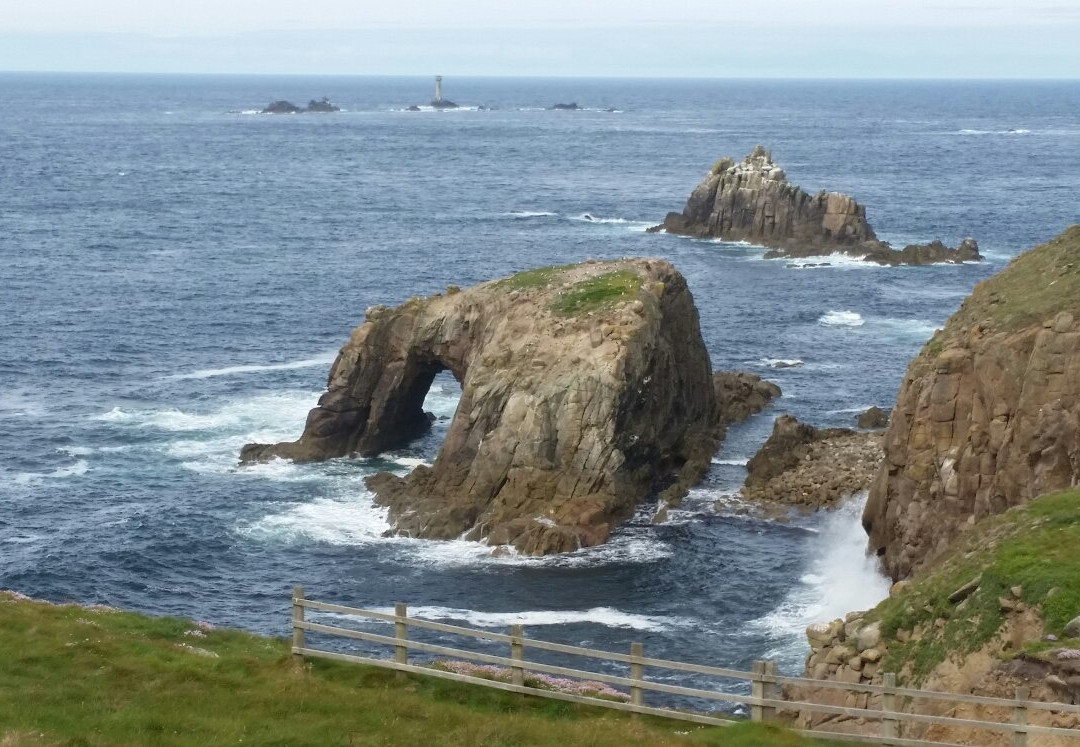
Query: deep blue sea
point(177, 273)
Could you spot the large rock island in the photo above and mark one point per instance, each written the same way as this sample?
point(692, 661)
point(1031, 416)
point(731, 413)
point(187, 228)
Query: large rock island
point(585, 389)
point(753, 201)
point(988, 416)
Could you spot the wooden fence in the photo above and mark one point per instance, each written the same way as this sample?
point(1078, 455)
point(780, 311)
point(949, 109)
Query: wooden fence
point(764, 699)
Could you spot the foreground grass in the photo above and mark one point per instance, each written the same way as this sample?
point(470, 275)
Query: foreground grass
point(1031, 548)
point(75, 676)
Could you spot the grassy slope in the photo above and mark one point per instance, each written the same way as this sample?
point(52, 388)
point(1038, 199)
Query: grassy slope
point(75, 676)
point(1033, 547)
point(1034, 287)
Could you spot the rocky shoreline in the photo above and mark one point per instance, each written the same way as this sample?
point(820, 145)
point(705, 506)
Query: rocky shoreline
point(810, 468)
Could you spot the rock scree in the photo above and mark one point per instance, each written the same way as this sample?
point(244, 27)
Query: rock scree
point(988, 415)
point(812, 468)
point(753, 201)
point(585, 390)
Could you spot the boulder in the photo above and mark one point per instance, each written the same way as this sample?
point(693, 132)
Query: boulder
point(988, 416)
point(873, 417)
point(740, 395)
point(585, 390)
point(752, 201)
point(571, 107)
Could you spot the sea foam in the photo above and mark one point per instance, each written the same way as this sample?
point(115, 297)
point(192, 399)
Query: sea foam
point(607, 616)
point(839, 577)
point(208, 373)
point(841, 319)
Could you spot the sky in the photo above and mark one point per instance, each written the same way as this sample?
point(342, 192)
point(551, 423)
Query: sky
point(631, 38)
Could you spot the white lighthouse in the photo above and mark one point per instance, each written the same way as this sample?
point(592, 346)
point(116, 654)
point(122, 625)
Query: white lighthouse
point(439, 102)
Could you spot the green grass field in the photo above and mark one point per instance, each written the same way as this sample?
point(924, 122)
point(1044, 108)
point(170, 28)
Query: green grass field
point(77, 676)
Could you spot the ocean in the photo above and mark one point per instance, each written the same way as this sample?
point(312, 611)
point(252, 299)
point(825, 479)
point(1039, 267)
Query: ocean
point(177, 273)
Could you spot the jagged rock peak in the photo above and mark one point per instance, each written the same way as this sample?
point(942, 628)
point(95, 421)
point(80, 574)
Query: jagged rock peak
point(988, 416)
point(752, 201)
point(585, 389)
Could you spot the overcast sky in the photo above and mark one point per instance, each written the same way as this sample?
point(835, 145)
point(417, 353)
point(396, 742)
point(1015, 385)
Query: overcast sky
point(749, 38)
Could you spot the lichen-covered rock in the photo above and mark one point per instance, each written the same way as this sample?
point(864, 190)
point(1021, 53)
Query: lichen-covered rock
point(585, 389)
point(988, 416)
point(801, 465)
point(752, 201)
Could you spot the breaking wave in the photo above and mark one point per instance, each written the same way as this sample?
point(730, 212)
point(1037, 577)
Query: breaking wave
point(208, 373)
point(841, 319)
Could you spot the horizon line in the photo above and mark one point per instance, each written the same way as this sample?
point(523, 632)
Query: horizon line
point(595, 76)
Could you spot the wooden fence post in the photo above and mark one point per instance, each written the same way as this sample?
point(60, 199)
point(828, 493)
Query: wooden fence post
point(297, 617)
point(637, 672)
point(757, 690)
point(517, 653)
point(890, 727)
point(1020, 717)
point(401, 632)
point(770, 691)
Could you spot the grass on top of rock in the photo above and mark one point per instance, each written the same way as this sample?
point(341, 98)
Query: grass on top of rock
point(600, 292)
point(80, 676)
point(1031, 548)
point(1034, 287)
point(538, 277)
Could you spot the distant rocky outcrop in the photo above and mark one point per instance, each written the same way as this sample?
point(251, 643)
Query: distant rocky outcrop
point(323, 105)
point(988, 416)
point(752, 201)
point(571, 107)
point(800, 465)
point(281, 107)
point(585, 389)
point(287, 107)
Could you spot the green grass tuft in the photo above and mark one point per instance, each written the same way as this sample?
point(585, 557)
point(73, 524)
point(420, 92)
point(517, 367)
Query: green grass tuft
point(602, 291)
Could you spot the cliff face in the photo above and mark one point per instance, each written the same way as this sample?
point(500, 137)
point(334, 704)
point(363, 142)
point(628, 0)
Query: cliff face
point(988, 416)
point(753, 201)
point(584, 389)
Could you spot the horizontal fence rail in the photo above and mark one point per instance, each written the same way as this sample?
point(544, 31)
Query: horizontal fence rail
point(764, 699)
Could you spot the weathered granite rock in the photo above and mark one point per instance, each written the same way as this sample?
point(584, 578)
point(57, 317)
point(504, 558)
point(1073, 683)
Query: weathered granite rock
point(585, 389)
point(812, 467)
point(753, 201)
point(988, 416)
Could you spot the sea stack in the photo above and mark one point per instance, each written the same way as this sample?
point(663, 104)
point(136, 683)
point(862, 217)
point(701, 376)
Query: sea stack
point(988, 416)
point(752, 201)
point(585, 390)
